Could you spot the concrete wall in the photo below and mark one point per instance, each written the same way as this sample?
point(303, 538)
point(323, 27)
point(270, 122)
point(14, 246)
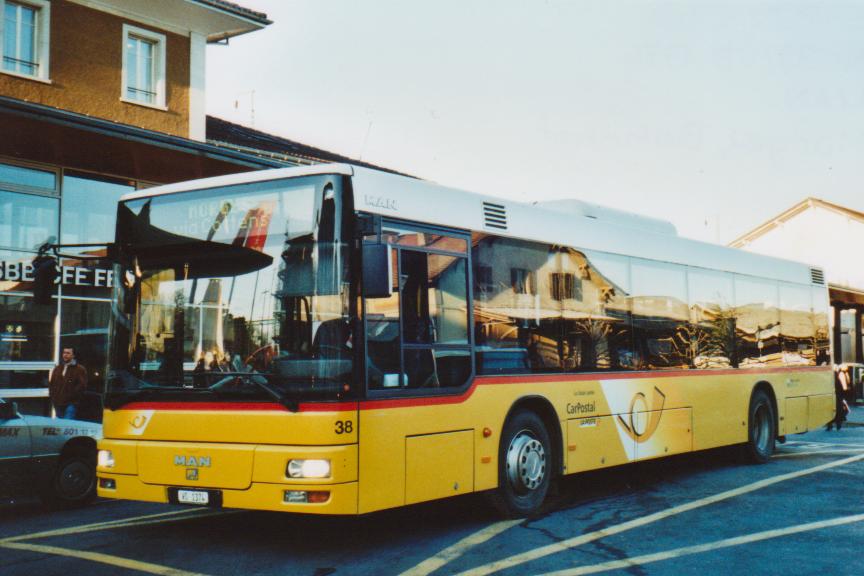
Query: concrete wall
point(86, 67)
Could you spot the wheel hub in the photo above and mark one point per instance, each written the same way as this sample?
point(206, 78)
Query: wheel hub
point(526, 462)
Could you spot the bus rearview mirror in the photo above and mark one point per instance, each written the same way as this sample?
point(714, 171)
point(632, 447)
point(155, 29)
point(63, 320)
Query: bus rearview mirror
point(377, 264)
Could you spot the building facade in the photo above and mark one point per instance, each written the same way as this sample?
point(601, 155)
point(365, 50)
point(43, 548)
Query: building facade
point(97, 98)
point(829, 236)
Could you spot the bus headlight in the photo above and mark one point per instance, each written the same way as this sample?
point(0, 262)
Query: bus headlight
point(308, 468)
point(105, 459)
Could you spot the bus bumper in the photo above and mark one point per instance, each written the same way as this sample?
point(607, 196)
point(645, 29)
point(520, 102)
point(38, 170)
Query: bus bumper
point(342, 498)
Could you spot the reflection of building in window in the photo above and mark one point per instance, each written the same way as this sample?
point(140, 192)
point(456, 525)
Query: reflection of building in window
point(565, 286)
point(522, 281)
point(653, 315)
point(483, 279)
point(578, 320)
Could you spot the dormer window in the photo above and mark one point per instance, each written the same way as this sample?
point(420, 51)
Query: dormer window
point(143, 67)
point(24, 31)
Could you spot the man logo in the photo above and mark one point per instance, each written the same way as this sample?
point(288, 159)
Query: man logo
point(192, 461)
point(191, 474)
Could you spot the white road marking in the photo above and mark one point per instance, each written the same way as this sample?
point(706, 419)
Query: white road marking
point(459, 548)
point(701, 548)
point(14, 542)
point(817, 453)
point(120, 523)
point(101, 558)
point(565, 545)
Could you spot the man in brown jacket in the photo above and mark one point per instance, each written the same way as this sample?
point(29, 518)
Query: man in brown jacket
point(67, 384)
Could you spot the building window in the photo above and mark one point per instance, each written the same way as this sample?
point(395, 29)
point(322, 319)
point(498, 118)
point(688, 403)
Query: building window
point(522, 281)
point(89, 211)
point(29, 207)
point(25, 33)
point(565, 286)
point(143, 67)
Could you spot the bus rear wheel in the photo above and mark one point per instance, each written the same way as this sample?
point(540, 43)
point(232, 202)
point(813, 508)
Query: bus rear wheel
point(761, 429)
point(524, 466)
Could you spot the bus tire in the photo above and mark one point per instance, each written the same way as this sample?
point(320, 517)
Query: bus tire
point(761, 428)
point(524, 466)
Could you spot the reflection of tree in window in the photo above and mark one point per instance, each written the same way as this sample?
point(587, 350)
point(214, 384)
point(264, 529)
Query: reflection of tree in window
point(660, 310)
point(757, 322)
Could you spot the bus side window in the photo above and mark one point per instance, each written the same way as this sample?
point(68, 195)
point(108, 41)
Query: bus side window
point(429, 305)
point(382, 337)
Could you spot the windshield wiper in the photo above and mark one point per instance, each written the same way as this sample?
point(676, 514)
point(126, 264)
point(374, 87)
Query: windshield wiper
point(260, 381)
point(116, 400)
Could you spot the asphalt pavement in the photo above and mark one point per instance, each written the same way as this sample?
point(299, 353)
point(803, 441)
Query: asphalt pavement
point(704, 513)
point(856, 415)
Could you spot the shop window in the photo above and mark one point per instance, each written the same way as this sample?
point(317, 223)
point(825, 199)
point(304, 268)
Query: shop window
point(27, 221)
point(89, 208)
point(25, 35)
point(26, 330)
point(22, 379)
point(143, 66)
point(27, 179)
point(84, 326)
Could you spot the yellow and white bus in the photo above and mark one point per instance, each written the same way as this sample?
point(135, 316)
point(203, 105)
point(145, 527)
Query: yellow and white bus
point(338, 340)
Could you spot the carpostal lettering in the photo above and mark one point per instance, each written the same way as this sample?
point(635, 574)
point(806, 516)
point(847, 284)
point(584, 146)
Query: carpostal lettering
point(581, 408)
point(9, 431)
point(69, 275)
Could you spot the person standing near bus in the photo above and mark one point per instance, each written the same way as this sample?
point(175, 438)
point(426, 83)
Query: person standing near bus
point(841, 387)
point(67, 385)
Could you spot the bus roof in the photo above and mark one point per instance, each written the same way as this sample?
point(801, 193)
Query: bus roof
point(569, 222)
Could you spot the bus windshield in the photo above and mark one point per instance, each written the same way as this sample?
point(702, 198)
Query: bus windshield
point(233, 292)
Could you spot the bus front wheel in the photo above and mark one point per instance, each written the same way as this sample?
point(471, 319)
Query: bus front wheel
point(761, 430)
point(524, 466)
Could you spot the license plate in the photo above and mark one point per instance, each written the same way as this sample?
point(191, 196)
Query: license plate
point(193, 497)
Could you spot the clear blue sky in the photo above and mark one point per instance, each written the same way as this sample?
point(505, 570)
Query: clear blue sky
point(725, 112)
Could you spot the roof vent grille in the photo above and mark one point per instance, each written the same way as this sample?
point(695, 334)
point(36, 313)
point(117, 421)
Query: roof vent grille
point(495, 216)
point(817, 276)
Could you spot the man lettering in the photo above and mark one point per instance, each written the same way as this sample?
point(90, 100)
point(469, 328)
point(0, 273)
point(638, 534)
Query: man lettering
point(67, 385)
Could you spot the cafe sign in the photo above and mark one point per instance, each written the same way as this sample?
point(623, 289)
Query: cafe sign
point(22, 271)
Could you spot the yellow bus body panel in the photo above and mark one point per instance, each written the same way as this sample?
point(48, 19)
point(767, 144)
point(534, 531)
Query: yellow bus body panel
point(404, 450)
point(438, 465)
point(190, 424)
